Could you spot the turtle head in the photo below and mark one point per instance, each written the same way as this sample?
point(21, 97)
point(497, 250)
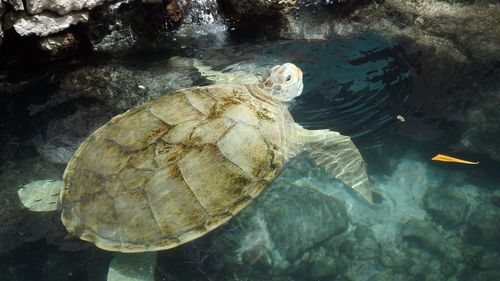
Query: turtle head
point(283, 82)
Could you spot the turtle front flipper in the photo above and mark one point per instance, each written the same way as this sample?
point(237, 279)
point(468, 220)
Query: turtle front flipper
point(338, 155)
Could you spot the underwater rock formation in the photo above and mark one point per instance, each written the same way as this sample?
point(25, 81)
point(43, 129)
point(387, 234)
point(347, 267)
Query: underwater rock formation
point(484, 226)
point(123, 87)
point(446, 206)
point(64, 134)
point(483, 129)
point(378, 243)
point(297, 230)
point(277, 230)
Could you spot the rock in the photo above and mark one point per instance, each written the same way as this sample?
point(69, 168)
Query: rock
point(16, 4)
point(490, 260)
point(60, 45)
point(319, 264)
point(115, 86)
point(65, 133)
point(490, 275)
point(473, 256)
point(260, 7)
point(318, 24)
point(446, 206)
point(428, 237)
point(456, 44)
point(367, 247)
point(61, 7)
point(191, 12)
point(379, 276)
point(293, 221)
point(174, 13)
point(120, 87)
point(495, 198)
point(393, 257)
point(483, 128)
point(484, 226)
point(127, 26)
point(282, 231)
point(45, 23)
point(324, 268)
point(300, 218)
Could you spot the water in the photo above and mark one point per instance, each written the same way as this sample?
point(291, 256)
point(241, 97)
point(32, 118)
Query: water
point(432, 221)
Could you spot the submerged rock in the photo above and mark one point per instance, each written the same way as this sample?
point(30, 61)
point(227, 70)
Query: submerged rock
point(300, 218)
point(64, 134)
point(393, 257)
point(276, 235)
point(484, 226)
point(428, 237)
point(122, 87)
point(483, 128)
point(296, 219)
point(116, 86)
point(490, 275)
point(447, 207)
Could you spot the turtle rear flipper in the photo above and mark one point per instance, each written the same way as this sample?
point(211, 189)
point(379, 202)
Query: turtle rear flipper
point(132, 267)
point(41, 195)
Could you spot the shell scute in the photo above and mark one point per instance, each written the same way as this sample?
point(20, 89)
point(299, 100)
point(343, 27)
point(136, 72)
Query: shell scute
point(226, 180)
point(244, 146)
point(175, 108)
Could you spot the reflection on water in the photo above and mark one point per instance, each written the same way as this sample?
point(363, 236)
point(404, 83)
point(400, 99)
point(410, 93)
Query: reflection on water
point(356, 86)
point(434, 221)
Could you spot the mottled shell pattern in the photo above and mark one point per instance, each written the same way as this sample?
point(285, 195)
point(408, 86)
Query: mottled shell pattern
point(169, 171)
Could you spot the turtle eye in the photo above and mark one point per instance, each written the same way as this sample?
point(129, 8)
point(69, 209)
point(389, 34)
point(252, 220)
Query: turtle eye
point(288, 78)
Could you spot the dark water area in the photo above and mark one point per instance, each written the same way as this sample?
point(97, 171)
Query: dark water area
point(434, 220)
point(355, 86)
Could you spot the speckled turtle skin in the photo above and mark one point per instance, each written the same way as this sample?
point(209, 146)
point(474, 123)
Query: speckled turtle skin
point(169, 171)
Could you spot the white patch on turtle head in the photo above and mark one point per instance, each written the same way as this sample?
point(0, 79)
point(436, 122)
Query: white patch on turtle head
point(283, 82)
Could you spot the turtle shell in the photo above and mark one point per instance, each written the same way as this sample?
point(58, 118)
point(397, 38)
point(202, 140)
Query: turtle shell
point(171, 170)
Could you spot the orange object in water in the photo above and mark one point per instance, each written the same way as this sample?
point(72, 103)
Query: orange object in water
point(445, 158)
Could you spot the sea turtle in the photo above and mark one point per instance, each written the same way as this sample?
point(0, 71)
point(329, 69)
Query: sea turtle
point(171, 170)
